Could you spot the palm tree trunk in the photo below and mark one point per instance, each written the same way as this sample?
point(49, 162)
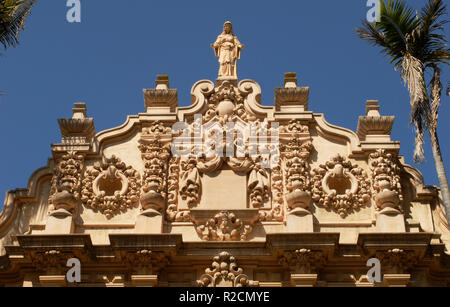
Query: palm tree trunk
point(435, 101)
point(440, 169)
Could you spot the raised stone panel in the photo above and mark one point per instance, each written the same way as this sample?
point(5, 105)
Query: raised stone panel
point(224, 189)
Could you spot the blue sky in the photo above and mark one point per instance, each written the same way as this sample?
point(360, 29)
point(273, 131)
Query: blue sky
point(120, 47)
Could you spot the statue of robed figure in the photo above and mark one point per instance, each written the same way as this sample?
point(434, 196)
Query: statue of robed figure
point(227, 49)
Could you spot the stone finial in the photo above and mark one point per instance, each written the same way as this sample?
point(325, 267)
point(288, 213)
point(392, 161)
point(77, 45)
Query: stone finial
point(79, 110)
point(373, 127)
point(161, 98)
point(372, 108)
point(290, 79)
point(78, 130)
point(162, 82)
point(291, 97)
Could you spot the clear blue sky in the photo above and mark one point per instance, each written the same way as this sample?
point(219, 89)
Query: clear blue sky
point(120, 47)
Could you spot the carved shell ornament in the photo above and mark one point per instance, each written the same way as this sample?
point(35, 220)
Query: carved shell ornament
point(225, 272)
point(340, 186)
point(111, 187)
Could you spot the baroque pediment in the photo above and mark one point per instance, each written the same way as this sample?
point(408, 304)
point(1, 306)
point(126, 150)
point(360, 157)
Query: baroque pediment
point(223, 168)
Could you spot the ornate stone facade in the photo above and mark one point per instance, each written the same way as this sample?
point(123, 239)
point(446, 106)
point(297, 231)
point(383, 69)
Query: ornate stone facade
point(294, 200)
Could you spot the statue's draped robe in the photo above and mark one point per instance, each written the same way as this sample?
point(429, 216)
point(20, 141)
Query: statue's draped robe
point(228, 51)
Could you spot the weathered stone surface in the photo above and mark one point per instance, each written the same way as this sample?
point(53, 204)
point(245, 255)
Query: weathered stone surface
point(295, 202)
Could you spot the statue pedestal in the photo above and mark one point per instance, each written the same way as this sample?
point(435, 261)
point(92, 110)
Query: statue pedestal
point(221, 80)
point(149, 222)
point(59, 222)
point(390, 220)
point(300, 220)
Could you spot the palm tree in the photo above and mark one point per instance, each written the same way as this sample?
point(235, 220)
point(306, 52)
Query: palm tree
point(12, 19)
point(414, 44)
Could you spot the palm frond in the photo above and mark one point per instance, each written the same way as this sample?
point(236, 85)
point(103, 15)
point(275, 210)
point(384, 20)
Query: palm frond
point(12, 20)
point(412, 72)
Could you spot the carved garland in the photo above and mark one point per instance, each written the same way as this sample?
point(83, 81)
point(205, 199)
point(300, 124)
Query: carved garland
point(111, 187)
point(340, 186)
point(224, 226)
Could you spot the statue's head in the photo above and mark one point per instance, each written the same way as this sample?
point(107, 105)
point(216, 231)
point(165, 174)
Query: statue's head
point(227, 28)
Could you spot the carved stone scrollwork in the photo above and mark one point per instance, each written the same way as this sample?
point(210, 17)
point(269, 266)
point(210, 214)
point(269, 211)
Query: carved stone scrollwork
point(340, 186)
point(146, 262)
point(51, 259)
point(111, 187)
point(191, 185)
point(303, 261)
point(294, 126)
point(385, 180)
point(173, 214)
point(224, 226)
point(397, 261)
point(224, 272)
point(225, 101)
point(155, 155)
point(258, 185)
point(277, 212)
point(297, 170)
point(66, 183)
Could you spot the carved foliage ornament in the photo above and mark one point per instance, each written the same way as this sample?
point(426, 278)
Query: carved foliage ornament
point(397, 261)
point(385, 179)
point(224, 272)
point(303, 261)
point(340, 186)
point(146, 262)
point(66, 182)
point(224, 226)
point(111, 187)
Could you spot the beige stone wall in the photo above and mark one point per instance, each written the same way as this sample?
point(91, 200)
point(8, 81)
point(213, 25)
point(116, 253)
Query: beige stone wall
point(325, 183)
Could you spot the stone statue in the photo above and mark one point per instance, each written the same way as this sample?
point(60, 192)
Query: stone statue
point(227, 49)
